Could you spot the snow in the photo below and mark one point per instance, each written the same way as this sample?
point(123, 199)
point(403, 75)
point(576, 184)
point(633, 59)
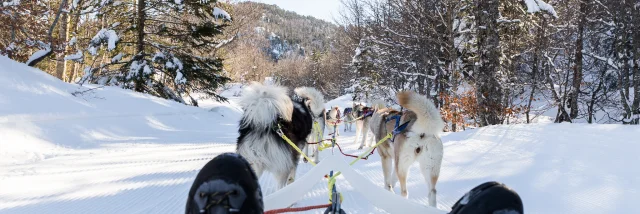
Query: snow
point(147, 70)
point(73, 41)
point(110, 150)
point(38, 54)
point(87, 10)
point(177, 62)
point(135, 68)
point(117, 58)
point(180, 79)
point(75, 57)
point(158, 56)
point(220, 13)
point(93, 50)
point(106, 35)
point(11, 3)
point(534, 6)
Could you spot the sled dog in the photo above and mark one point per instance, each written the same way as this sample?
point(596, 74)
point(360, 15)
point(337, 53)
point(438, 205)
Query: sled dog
point(319, 120)
point(418, 142)
point(334, 119)
point(268, 110)
point(362, 115)
point(348, 119)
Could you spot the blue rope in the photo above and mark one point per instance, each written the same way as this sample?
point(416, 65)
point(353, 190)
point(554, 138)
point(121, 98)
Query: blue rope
point(397, 128)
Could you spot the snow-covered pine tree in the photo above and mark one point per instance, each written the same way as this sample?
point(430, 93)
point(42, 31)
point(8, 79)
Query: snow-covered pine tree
point(165, 48)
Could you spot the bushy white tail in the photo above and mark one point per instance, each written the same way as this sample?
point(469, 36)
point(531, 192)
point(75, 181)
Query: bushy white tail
point(315, 99)
point(378, 104)
point(429, 117)
point(263, 104)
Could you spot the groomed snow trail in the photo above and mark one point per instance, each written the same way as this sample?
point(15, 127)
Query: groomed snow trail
point(110, 150)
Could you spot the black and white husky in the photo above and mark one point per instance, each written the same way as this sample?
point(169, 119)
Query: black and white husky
point(268, 109)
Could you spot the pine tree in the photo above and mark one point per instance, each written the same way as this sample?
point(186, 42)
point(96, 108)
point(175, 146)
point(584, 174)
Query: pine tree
point(169, 48)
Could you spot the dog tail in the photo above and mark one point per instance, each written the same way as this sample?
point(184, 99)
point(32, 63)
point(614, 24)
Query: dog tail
point(315, 99)
point(263, 105)
point(378, 104)
point(428, 115)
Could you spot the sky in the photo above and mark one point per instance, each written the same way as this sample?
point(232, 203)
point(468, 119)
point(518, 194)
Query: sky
point(322, 9)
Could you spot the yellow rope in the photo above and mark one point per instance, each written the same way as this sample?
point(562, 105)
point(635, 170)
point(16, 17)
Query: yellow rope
point(332, 179)
point(294, 145)
point(389, 136)
point(316, 126)
point(354, 120)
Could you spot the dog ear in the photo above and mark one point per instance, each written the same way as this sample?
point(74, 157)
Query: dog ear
point(308, 103)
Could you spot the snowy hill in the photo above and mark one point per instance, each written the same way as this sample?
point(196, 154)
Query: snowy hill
point(40, 116)
point(115, 151)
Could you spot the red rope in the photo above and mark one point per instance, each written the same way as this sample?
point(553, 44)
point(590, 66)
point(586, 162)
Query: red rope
point(355, 156)
point(311, 143)
point(297, 209)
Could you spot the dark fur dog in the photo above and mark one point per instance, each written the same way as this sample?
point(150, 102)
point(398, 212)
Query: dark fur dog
point(226, 184)
point(267, 108)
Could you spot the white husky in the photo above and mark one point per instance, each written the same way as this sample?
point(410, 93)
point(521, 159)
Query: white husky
point(418, 142)
point(319, 120)
point(334, 119)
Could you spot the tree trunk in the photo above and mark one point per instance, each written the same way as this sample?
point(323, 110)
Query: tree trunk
point(636, 66)
point(534, 84)
point(577, 69)
point(139, 85)
point(489, 91)
point(62, 31)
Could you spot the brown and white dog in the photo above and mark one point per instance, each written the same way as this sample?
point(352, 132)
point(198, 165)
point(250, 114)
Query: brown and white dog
point(419, 142)
point(359, 112)
point(334, 119)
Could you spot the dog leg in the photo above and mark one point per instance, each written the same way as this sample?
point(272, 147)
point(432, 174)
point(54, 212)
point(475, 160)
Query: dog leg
point(282, 178)
point(357, 134)
point(404, 159)
point(387, 171)
point(430, 174)
point(362, 134)
point(365, 135)
point(316, 155)
point(292, 176)
point(306, 151)
point(430, 163)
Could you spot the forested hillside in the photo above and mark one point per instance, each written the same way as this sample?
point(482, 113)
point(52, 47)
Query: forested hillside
point(483, 62)
point(491, 62)
point(295, 49)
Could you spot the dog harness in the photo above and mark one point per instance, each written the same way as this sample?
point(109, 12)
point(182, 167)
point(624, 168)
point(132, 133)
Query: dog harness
point(397, 128)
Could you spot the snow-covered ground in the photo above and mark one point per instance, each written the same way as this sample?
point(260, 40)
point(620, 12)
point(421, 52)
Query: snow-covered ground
point(110, 150)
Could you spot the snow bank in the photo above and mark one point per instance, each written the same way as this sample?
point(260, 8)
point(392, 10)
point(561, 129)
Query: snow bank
point(40, 117)
point(344, 101)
